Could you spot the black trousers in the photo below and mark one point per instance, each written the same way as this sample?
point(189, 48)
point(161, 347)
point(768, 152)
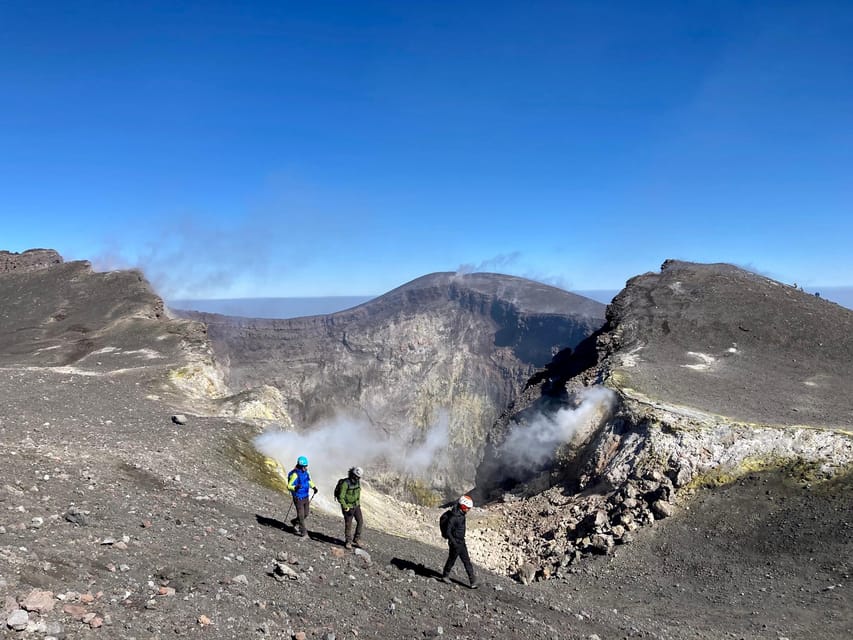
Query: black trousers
point(354, 513)
point(302, 507)
point(459, 550)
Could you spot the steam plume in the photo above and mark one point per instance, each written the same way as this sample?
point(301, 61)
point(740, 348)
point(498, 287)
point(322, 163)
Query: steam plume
point(532, 444)
point(333, 447)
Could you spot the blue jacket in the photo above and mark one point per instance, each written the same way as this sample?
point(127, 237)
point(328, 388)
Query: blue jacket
point(298, 483)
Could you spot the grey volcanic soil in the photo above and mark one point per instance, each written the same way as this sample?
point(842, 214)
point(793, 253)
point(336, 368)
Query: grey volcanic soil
point(741, 562)
point(736, 344)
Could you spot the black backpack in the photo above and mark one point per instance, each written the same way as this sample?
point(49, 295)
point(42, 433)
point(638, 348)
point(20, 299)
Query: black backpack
point(444, 522)
point(339, 487)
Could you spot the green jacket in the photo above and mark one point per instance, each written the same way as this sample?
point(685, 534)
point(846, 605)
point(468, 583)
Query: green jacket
point(350, 494)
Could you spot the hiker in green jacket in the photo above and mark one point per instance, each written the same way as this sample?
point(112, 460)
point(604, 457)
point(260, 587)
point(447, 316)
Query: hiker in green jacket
point(348, 493)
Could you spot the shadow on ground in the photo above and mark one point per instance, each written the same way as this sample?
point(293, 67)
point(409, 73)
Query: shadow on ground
point(287, 528)
point(419, 569)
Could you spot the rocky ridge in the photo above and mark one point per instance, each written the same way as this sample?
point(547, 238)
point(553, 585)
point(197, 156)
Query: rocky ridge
point(30, 260)
point(669, 354)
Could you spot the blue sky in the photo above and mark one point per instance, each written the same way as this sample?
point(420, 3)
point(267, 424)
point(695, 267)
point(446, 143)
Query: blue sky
point(344, 148)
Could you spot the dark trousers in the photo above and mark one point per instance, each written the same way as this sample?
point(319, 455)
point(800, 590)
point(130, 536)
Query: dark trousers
point(355, 512)
point(459, 550)
point(302, 507)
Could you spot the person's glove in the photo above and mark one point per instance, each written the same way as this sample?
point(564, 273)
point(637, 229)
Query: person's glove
point(315, 491)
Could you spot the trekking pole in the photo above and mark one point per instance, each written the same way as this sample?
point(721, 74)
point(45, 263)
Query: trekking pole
point(288, 511)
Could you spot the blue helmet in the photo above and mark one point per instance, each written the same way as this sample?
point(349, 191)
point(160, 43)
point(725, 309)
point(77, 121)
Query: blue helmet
point(302, 461)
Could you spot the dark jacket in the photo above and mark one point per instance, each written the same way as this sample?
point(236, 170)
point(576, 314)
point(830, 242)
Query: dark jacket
point(456, 526)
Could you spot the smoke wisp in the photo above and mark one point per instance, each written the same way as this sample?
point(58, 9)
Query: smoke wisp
point(533, 444)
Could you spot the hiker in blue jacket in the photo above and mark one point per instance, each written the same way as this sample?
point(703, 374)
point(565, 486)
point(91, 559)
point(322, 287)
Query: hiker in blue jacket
point(299, 484)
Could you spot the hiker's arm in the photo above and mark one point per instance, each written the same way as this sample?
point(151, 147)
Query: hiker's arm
point(291, 481)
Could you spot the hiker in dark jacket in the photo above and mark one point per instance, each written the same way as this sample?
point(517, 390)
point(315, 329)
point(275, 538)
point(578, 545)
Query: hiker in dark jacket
point(456, 542)
point(349, 495)
point(299, 483)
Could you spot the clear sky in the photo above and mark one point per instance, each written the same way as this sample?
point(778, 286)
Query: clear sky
point(346, 147)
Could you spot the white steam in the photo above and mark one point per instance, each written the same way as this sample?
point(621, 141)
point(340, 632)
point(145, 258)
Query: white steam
point(534, 443)
point(333, 447)
point(497, 263)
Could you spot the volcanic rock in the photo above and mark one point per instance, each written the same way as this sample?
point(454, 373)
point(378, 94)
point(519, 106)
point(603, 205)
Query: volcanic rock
point(464, 344)
point(716, 371)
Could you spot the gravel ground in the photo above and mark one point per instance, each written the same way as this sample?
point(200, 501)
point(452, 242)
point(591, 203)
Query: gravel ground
point(178, 540)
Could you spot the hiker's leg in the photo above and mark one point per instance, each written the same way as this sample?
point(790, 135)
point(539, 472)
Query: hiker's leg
point(295, 519)
point(452, 554)
point(302, 513)
point(466, 562)
point(347, 526)
point(359, 523)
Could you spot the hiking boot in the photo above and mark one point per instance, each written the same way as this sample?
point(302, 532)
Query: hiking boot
point(446, 580)
point(348, 545)
point(358, 543)
point(294, 521)
point(474, 585)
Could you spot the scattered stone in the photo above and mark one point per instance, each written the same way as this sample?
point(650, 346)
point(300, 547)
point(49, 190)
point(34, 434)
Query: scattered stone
point(75, 611)
point(18, 620)
point(361, 553)
point(166, 591)
point(77, 517)
point(683, 477)
point(179, 418)
point(662, 509)
point(300, 635)
point(203, 620)
point(526, 573)
point(282, 572)
point(36, 522)
point(39, 601)
point(601, 543)
point(241, 579)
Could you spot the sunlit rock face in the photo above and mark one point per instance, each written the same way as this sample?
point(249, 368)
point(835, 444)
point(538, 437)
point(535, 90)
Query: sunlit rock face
point(444, 347)
point(61, 314)
point(713, 372)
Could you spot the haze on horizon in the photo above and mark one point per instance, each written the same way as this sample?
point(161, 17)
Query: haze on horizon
point(342, 149)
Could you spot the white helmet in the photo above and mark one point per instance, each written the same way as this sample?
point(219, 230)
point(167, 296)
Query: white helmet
point(465, 503)
point(356, 471)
